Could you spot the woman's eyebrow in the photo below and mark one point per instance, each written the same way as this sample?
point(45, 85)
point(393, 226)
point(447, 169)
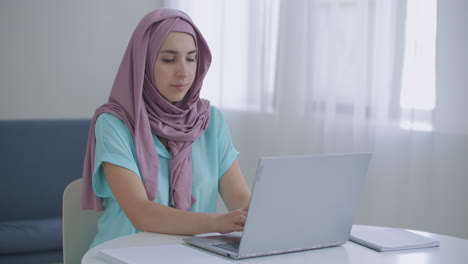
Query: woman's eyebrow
point(175, 52)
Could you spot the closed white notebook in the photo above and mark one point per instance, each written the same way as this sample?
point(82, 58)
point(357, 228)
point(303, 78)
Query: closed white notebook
point(388, 239)
point(170, 254)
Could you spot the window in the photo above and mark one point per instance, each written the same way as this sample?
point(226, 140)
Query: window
point(418, 90)
point(242, 36)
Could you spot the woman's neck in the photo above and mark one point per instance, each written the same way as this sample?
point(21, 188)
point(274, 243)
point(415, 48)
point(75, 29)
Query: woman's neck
point(164, 141)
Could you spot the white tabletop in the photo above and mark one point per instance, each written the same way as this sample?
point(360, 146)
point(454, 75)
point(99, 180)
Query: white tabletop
point(451, 250)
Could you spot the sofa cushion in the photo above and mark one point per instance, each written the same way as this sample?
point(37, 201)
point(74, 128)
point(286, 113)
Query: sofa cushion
point(30, 235)
point(38, 159)
point(43, 257)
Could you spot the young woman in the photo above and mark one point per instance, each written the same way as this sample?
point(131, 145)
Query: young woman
point(157, 154)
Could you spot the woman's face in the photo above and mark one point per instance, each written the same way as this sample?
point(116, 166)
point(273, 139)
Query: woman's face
point(175, 66)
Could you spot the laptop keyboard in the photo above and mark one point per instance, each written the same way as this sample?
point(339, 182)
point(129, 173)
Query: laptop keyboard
point(231, 246)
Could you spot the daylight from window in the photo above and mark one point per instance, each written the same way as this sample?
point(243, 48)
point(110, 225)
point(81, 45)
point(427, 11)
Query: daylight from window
point(418, 90)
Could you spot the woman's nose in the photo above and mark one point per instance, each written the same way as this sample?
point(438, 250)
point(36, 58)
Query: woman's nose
point(182, 69)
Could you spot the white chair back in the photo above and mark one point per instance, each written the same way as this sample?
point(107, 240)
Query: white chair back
point(79, 226)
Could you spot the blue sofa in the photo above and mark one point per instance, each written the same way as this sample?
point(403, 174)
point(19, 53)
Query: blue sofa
point(38, 159)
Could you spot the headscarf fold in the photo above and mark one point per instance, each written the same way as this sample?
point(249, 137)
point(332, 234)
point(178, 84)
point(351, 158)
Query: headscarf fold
point(136, 101)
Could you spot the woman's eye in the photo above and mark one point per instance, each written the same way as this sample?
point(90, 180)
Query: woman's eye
point(167, 60)
point(191, 59)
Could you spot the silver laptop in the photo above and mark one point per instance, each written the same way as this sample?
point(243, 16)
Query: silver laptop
point(298, 203)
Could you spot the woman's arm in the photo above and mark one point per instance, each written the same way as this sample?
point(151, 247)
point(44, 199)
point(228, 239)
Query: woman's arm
point(233, 188)
point(149, 216)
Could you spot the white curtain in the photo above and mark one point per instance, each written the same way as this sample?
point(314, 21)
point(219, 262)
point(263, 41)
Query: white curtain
point(335, 76)
point(242, 35)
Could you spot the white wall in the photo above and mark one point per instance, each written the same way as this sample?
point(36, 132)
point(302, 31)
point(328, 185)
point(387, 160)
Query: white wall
point(452, 65)
point(58, 59)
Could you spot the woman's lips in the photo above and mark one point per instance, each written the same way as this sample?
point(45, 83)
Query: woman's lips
point(179, 87)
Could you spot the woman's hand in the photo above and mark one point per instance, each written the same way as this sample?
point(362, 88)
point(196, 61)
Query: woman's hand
point(230, 222)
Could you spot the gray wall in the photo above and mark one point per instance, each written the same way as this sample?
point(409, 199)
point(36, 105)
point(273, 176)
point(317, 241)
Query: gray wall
point(59, 58)
point(452, 66)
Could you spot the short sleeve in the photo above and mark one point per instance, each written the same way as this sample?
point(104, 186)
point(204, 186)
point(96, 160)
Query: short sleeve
point(114, 144)
point(227, 153)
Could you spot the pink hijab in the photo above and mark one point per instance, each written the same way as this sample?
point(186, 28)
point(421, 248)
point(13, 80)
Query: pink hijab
point(135, 100)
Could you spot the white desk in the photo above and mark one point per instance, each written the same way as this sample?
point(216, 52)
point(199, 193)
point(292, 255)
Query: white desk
point(451, 251)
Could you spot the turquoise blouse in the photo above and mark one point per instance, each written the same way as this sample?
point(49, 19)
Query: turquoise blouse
point(212, 155)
